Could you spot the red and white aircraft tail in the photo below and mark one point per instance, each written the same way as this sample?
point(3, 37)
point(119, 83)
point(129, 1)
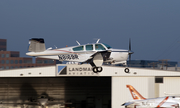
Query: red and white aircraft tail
point(135, 94)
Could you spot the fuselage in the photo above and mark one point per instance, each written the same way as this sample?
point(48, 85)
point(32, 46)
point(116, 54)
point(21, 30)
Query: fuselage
point(169, 101)
point(81, 53)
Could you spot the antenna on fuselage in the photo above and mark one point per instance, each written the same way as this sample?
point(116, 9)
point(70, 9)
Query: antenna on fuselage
point(55, 46)
point(98, 41)
point(78, 43)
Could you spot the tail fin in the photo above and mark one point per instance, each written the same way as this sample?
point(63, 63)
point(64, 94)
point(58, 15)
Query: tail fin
point(36, 45)
point(135, 94)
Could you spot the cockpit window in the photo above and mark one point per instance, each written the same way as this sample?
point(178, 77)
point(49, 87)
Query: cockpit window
point(108, 47)
point(99, 47)
point(89, 47)
point(80, 48)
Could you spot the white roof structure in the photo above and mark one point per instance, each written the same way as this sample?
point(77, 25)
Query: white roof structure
point(144, 79)
point(61, 70)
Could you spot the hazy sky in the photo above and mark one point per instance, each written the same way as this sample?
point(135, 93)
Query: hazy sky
point(152, 25)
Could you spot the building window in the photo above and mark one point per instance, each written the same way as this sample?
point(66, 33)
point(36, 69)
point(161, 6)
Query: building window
point(159, 80)
point(39, 62)
point(14, 55)
point(7, 67)
point(51, 61)
point(16, 61)
point(20, 61)
point(27, 61)
point(7, 61)
point(45, 61)
point(11, 67)
point(3, 43)
point(12, 61)
point(2, 55)
point(2, 62)
point(7, 55)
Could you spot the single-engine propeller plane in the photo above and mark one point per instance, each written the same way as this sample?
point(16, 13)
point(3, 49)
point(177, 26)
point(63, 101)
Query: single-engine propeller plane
point(96, 53)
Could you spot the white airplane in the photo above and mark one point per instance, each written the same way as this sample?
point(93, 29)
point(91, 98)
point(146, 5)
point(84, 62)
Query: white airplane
point(140, 101)
point(42, 101)
point(95, 53)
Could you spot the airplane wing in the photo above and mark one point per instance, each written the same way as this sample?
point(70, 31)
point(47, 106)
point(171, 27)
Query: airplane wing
point(56, 103)
point(168, 104)
point(49, 57)
point(151, 104)
point(97, 58)
point(127, 103)
point(104, 54)
point(17, 104)
point(13, 102)
point(131, 104)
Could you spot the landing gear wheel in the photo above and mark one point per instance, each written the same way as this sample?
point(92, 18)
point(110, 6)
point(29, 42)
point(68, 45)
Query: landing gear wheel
point(94, 69)
point(97, 69)
point(126, 70)
point(100, 69)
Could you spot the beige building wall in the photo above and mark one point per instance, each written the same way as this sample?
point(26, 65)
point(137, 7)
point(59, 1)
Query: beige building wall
point(170, 86)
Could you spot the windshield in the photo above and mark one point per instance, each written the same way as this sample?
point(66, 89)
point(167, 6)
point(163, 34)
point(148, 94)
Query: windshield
point(108, 47)
point(99, 47)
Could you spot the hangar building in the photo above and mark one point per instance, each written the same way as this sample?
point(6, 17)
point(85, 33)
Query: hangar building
point(83, 88)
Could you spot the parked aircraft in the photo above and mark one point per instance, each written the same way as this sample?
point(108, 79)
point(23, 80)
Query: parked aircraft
point(42, 100)
point(140, 101)
point(95, 53)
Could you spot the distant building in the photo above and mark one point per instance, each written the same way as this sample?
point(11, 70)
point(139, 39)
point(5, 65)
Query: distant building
point(11, 59)
point(161, 64)
point(3, 45)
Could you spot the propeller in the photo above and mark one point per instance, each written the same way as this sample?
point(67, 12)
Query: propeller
point(130, 51)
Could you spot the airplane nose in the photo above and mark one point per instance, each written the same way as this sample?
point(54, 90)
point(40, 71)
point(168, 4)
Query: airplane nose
point(131, 52)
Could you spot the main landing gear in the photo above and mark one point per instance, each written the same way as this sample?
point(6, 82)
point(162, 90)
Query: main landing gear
point(126, 70)
point(97, 69)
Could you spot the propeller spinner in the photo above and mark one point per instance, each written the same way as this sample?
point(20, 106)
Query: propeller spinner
point(130, 51)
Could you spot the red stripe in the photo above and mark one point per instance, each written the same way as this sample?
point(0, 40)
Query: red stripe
point(163, 101)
